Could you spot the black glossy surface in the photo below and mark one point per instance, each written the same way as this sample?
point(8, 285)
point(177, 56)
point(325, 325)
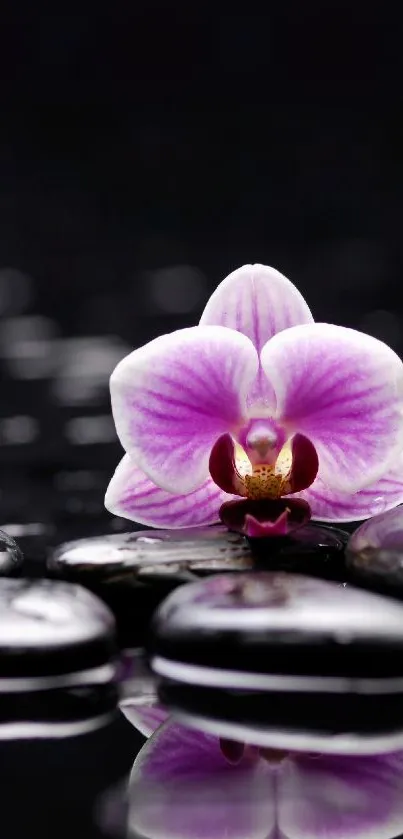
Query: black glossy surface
point(374, 554)
point(11, 556)
point(33, 540)
point(52, 628)
point(315, 550)
point(295, 713)
point(277, 623)
point(279, 660)
point(134, 572)
point(138, 145)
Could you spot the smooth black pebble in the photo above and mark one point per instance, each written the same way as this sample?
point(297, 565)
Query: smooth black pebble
point(314, 550)
point(58, 659)
point(374, 553)
point(284, 661)
point(133, 572)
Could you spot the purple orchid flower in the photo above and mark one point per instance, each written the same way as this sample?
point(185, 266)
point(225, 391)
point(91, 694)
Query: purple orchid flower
point(182, 786)
point(257, 401)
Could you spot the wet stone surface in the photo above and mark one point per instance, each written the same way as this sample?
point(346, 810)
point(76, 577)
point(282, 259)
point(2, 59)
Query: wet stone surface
point(374, 554)
point(33, 539)
point(57, 652)
point(283, 653)
point(133, 572)
point(11, 556)
point(315, 550)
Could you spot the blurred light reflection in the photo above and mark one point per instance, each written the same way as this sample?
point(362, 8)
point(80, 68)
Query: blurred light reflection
point(177, 289)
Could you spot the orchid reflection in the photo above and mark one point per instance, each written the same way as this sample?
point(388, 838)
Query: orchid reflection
point(183, 787)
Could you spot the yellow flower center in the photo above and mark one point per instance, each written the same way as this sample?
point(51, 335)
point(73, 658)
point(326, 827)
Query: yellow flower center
point(263, 480)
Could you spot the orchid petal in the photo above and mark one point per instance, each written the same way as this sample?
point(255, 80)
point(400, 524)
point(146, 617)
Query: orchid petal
point(305, 463)
point(329, 505)
point(132, 495)
point(172, 398)
point(354, 798)
point(223, 468)
point(146, 718)
point(182, 787)
point(344, 391)
point(259, 302)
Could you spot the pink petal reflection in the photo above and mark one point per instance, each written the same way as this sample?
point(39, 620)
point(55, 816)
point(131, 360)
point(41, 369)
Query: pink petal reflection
point(145, 716)
point(183, 788)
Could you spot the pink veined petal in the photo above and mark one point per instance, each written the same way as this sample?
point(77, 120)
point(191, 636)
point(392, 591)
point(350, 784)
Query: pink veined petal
point(339, 798)
point(182, 786)
point(172, 398)
point(146, 718)
point(132, 495)
point(329, 505)
point(259, 302)
point(344, 391)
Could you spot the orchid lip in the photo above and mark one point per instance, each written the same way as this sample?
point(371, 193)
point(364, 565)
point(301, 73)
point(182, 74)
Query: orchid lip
point(294, 469)
point(265, 518)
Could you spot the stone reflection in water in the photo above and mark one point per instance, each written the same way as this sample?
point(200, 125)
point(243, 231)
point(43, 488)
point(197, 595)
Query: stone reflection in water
point(284, 660)
point(182, 787)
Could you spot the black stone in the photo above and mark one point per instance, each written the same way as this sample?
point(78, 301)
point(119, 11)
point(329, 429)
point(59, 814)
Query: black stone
point(378, 570)
point(374, 554)
point(323, 715)
point(57, 653)
point(134, 572)
point(33, 541)
point(49, 627)
point(278, 652)
point(11, 557)
point(315, 550)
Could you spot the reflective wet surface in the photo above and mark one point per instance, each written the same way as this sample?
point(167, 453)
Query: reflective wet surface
point(265, 733)
point(318, 755)
point(181, 785)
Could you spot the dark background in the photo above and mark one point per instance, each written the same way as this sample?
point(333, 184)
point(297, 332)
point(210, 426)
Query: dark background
point(137, 138)
point(148, 149)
